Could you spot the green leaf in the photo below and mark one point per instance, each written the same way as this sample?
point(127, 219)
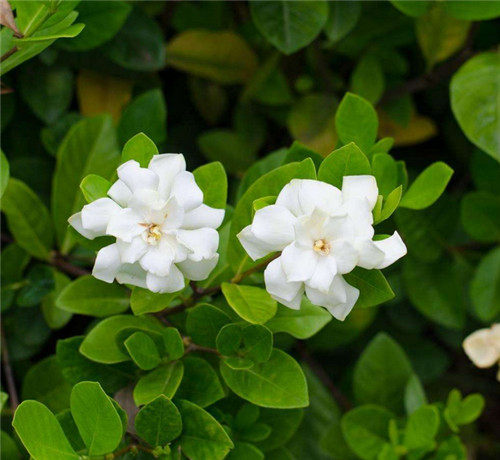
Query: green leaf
point(158, 422)
point(289, 25)
point(342, 18)
point(39, 283)
point(95, 416)
point(374, 288)
point(28, 219)
point(41, 433)
point(164, 380)
point(301, 324)
point(267, 185)
point(101, 343)
point(89, 296)
point(146, 115)
point(102, 21)
point(140, 148)
point(391, 203)
point(348, 160)
point(367, 78)
point(366, 430)
point(204, 323)
point(144, 301)
point(415, 396)
point(212, 180)
point(89, 148)
point(222, 56)
point(54, 316)
point(485, 287)
point(278, 383)
point(228, 340)
point(460, 411)
point(202, 436)
point(253, 304)
point(142, 349)
point(480, 216)
point(357, 121)
point(421, 428)
point(485, 172)
point(245, 451)
point(412, 8)
point(172, 341)
point(257, 342)
point(94, 187)
point(451, 447)
point(385, 171)
point(283, 423)
point(4, 173)
point(200, 384)
point(474, 101)
point(381, 374)
point(8, 448)
point(472, 11)
point(427, 187)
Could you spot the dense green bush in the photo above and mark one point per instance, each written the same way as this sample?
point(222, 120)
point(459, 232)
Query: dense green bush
point(296, 118)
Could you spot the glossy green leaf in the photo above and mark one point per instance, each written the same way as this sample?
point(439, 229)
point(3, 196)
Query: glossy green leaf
point(391, 203)
point(55, 317)
point(342, 18)
point(144, 301)
point(460, 411)
point(164, 380)
point(257, 342)
point(472, 11)
point(253, 304)
point(385, 171)
point(367, 78)
point(374, 288)
point(172, 341)
point(277, 383)
point(421, 428)
point(89, 296)
point(204, 323)
point(39, 283)
point(228, 340)
point(139, 148)
point(485, 287)
point(412, 8)
point(480, 216)
point(4, 173)
point(212, 180)
point(142, 349)
point(94, 187)
point(415, 396)
point(158, 422)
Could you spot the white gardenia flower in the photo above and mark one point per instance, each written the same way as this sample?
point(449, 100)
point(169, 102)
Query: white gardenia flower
point(163, 230)
point(483, 347)
point(323, 233)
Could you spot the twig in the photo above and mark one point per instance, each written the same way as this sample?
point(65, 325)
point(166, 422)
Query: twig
point(193, 347)
point(131, 448)
point(62, 264)
point(344, 403)
point(238, 277)
point(9, 374)
point(9, 53)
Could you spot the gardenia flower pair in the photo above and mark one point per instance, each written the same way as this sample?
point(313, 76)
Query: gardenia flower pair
point(163, 230)
point(483, 347)
point(322, 233)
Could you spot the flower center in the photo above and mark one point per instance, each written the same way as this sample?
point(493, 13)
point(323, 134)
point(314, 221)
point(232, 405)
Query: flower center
point(152, 234)
point(322, 246)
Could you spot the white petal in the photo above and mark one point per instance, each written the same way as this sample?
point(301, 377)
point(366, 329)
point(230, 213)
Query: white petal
point(172, 283)
point(203, 216)
point(310, 228)
point(393, 249)
point(120, 193)
point(254, 247)
point(203, 242)
point(480, 349)
point(345, 255)
point(133, 251)
point(132, 274)
point(136, 177)
point(198, 270)
point(370, 256)
point(146, 201)
point(96, 215)
point(360, 213)
point(495, 336)
point(76, 222)
point(336, 294)
point(174, 215)
point(167, 166)
point(107, 263)
point(339, 227)
point(287, 293)
point(323, 275)
point(274, 225)
point(186, 191)
point(158, 259)
point(126, 224)
point(341, 310)
point(361, 187)
point(298, 262)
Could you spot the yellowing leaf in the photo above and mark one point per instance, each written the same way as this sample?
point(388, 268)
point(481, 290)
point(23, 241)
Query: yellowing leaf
point(99, 93)
point(418, 130)
point(220, 56)
point(440, 35)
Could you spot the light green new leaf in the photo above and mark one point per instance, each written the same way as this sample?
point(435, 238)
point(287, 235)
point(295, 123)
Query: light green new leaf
point(101, 343)
point(253, 304)
point(28, 219)
point(366, 430)
point(158, 422)
point(356, 121)
point(474, 93)
point(485, 287)
point(302, 323)
point(289, 25)
point(41, 433)
point(385, 171)
point(391, 203)
point(460, 411)
point(94, 187)
point(202, 436)
point(381, 374)
point(349, 160)
point(164, 380)
point(90, 296)
point(374, 288)
point(4, 173)
point(480, 216)
point(140, 148)
point(142, 349)
point(95, 416)
point(427, 187)
point(278, 383)
point(89, 148)
point(421, 428)
point(212, 179)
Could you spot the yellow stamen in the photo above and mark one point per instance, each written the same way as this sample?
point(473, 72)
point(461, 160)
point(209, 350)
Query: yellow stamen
point(322, 247)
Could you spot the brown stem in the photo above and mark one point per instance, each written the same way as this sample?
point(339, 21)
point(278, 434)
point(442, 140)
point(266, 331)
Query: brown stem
point(9, 374)
point(9, 53)
point(62, 264)
point(193, 347)
point(344, 403)
point(131, 447)
point(238, 277)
